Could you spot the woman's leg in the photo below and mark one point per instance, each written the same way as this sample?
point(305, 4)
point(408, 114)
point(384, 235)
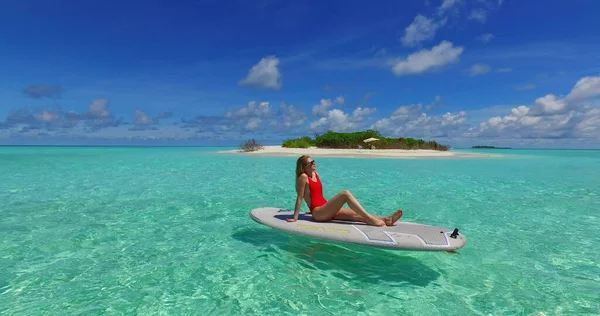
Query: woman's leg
point(346, 214)
point(334, 205)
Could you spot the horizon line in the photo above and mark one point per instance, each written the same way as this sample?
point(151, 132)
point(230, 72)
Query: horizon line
point(229, 146)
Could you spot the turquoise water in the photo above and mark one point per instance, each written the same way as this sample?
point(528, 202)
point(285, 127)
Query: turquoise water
point(166, 230)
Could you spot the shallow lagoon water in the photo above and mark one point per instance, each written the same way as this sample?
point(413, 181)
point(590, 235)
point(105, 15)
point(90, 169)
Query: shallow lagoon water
point(118, 230)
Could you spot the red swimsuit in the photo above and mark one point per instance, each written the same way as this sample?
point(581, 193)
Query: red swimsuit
point(316, 193)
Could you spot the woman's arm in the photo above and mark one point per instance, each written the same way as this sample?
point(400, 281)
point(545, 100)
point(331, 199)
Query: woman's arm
point(300, 189)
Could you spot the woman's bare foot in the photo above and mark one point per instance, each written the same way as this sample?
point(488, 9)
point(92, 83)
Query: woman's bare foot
point(376, 222)
point(390, 220)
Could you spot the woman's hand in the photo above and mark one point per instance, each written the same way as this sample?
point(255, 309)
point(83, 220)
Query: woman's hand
point(290, 219)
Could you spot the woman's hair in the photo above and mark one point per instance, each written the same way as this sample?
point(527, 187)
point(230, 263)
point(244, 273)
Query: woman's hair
point(300, 164)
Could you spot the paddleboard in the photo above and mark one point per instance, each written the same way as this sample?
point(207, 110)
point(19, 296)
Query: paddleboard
point(400, 236)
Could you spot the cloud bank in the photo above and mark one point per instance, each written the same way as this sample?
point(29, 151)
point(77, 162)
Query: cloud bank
point(574, 117)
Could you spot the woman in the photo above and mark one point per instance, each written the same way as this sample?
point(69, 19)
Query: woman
point(309, 188)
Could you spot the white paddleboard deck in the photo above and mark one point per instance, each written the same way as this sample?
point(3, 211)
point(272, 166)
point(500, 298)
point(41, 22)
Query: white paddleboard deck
point(401, 236)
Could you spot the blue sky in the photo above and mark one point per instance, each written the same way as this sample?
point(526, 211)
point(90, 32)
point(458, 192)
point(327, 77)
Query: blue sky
point(462, 72)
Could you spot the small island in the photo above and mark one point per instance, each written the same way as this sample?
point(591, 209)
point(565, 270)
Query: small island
point(367, 144)
point(369, 139)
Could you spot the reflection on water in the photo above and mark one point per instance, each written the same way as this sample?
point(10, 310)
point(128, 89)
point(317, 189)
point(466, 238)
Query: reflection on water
point(345, 261)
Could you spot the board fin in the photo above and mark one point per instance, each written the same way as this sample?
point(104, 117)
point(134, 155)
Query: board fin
point(454, 233)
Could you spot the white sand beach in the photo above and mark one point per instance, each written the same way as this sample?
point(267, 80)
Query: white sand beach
point(359, 153)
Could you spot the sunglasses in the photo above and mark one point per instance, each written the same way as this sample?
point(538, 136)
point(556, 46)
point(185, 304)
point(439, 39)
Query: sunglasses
point(310, 163)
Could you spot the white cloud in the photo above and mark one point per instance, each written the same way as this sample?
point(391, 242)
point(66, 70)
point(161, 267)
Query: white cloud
point(548, 105)
point(265, 74)
point(289, 117)
point(253, 109)
point(255, 116)
point(321, 108)
point(479, 15)
point(423, 28)
point(590, 125)
point(485, 38)
point(46, 116)
point(411, 121)
point(250, 117)
point(586, 87)
point(338, 121)
point(335, 120)
point(253, 124)
point(420, 30)
point(479, 69)
point(549, 117)
point(360, 113)
point(141, 118)
point(424, 60)
point(99, 108)
point(447, 5)
point(98, 116)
